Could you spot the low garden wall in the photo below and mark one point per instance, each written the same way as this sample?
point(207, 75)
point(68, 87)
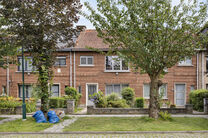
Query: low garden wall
point(17, 110)
point(92, 110)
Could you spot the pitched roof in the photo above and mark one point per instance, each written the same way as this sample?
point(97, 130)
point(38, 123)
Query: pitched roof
point(89, 38)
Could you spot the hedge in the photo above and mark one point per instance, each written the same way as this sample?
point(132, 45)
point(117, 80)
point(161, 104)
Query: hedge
point(196, 98)
point(139, 103)
point(57, 102)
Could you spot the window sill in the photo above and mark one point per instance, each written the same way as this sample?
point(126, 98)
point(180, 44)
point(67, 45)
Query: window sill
point(86, 65)
point(185, 65)
point(127, 71)
point(149, 98)
point(60, 66)
point(27, 71)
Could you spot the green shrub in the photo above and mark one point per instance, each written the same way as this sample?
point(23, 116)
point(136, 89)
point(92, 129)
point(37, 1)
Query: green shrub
point(128, 94)
point(172, 106)
point(73, 94)
point(113, 97)
point(196, 98)
point(121, 103)
point(30, 107)
point(99, 100)
point(57, 102)
point(114, 101)
point(165, 116)
point(139, 103)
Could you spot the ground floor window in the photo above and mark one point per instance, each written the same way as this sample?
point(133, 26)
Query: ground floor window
point(206, 86)
point(55, 90)
point(27, 89)
point(3, 90)
point(115, 88)
point(162, 91)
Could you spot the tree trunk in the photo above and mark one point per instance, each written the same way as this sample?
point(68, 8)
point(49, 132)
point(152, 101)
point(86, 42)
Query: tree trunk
point(43, 79)
point(154, 105)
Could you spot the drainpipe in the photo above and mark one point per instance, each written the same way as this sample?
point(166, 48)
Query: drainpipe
point(74, 71)
point(70, 70)
point(197, 71)
point(7, 77)
point(202, 70)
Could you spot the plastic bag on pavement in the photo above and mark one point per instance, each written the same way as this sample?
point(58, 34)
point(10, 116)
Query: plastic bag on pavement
point(52, 117)
point(39, 117)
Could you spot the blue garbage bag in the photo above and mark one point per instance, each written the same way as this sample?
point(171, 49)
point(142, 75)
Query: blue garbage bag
point(52, 117)
point(39, 117)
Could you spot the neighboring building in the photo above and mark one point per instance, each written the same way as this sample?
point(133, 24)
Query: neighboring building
point(89, 72)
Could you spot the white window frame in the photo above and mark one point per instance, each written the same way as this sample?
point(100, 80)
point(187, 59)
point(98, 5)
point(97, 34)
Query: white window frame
point(121, 84)
point(164, 97)
point(175, 92)
point(60, 57)
point(86, 57)
point(20, 90)
point(184, 62)
point(113, 66)
point(25, 67)
point(87, 90)
point(59, 88)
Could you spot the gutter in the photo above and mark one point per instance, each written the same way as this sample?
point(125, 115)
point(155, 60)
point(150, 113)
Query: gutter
point(197, 71)
point(74, 71)
point(70, 69)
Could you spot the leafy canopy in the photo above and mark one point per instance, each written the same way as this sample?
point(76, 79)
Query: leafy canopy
point(151, 34)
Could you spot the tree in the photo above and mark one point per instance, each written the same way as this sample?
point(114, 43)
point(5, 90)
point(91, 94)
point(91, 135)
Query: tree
point(7, 50)
point(40, 26)
point(151, 34)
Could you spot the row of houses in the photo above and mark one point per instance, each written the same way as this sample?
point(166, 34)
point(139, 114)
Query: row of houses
point(89, 72)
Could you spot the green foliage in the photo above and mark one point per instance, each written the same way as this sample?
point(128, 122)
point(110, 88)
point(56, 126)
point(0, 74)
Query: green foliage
point(114, 101)
point(150, 35)
point(57, 102)
point(39, 26)
point(113, 97)
point(128, 94)
point(196, 98)
point(165, 116)
point(99, 100)
point(172, 106)
point(147, 119)
point(30, 106)
point(121, 103)
point(72, 93)
point(139, 103)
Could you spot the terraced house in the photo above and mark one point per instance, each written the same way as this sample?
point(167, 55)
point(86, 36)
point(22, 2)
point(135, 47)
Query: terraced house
point(90, 71)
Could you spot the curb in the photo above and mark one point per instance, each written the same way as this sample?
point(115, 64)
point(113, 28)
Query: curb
point(104, 132)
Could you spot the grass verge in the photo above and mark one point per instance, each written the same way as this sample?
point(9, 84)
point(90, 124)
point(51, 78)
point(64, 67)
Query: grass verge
point(137, 124)
point(24, 126)
point(1, 118)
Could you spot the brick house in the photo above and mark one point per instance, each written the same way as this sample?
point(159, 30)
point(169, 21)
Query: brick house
point(89, 71)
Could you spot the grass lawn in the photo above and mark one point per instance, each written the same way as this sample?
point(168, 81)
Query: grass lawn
point(24, 126)
point(137, 124)
point(1, 118)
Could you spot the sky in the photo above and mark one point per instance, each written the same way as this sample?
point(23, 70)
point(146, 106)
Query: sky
point(84, 21)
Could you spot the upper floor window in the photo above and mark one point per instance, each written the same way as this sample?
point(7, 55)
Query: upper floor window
point(186, 62)
point(86, 60)
point(113, 63)
point(115, 88)
point(60, 61)
point(27, 64)
point(162, 91)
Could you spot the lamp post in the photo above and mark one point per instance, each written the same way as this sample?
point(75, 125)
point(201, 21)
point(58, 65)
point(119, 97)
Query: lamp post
point(23, 89)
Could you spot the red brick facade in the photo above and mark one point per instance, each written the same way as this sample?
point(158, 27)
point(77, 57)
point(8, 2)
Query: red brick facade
point(80, 76)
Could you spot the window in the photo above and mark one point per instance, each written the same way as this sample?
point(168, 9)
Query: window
point(162, 91)
point(27, 89)
point(113, 63)
point(27, 64)
point(186, 62)
point(3, 90)
point(115, 88)
point(60, 61)
point(207, 86)
point(80, 89)
point(86, 60)
point(55, 90)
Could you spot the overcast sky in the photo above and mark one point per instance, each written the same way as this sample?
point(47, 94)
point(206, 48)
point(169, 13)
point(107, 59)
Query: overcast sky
point(87, 23)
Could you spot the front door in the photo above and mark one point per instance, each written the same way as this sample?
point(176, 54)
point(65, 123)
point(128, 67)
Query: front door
point(91, 89)
point(180, 93)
